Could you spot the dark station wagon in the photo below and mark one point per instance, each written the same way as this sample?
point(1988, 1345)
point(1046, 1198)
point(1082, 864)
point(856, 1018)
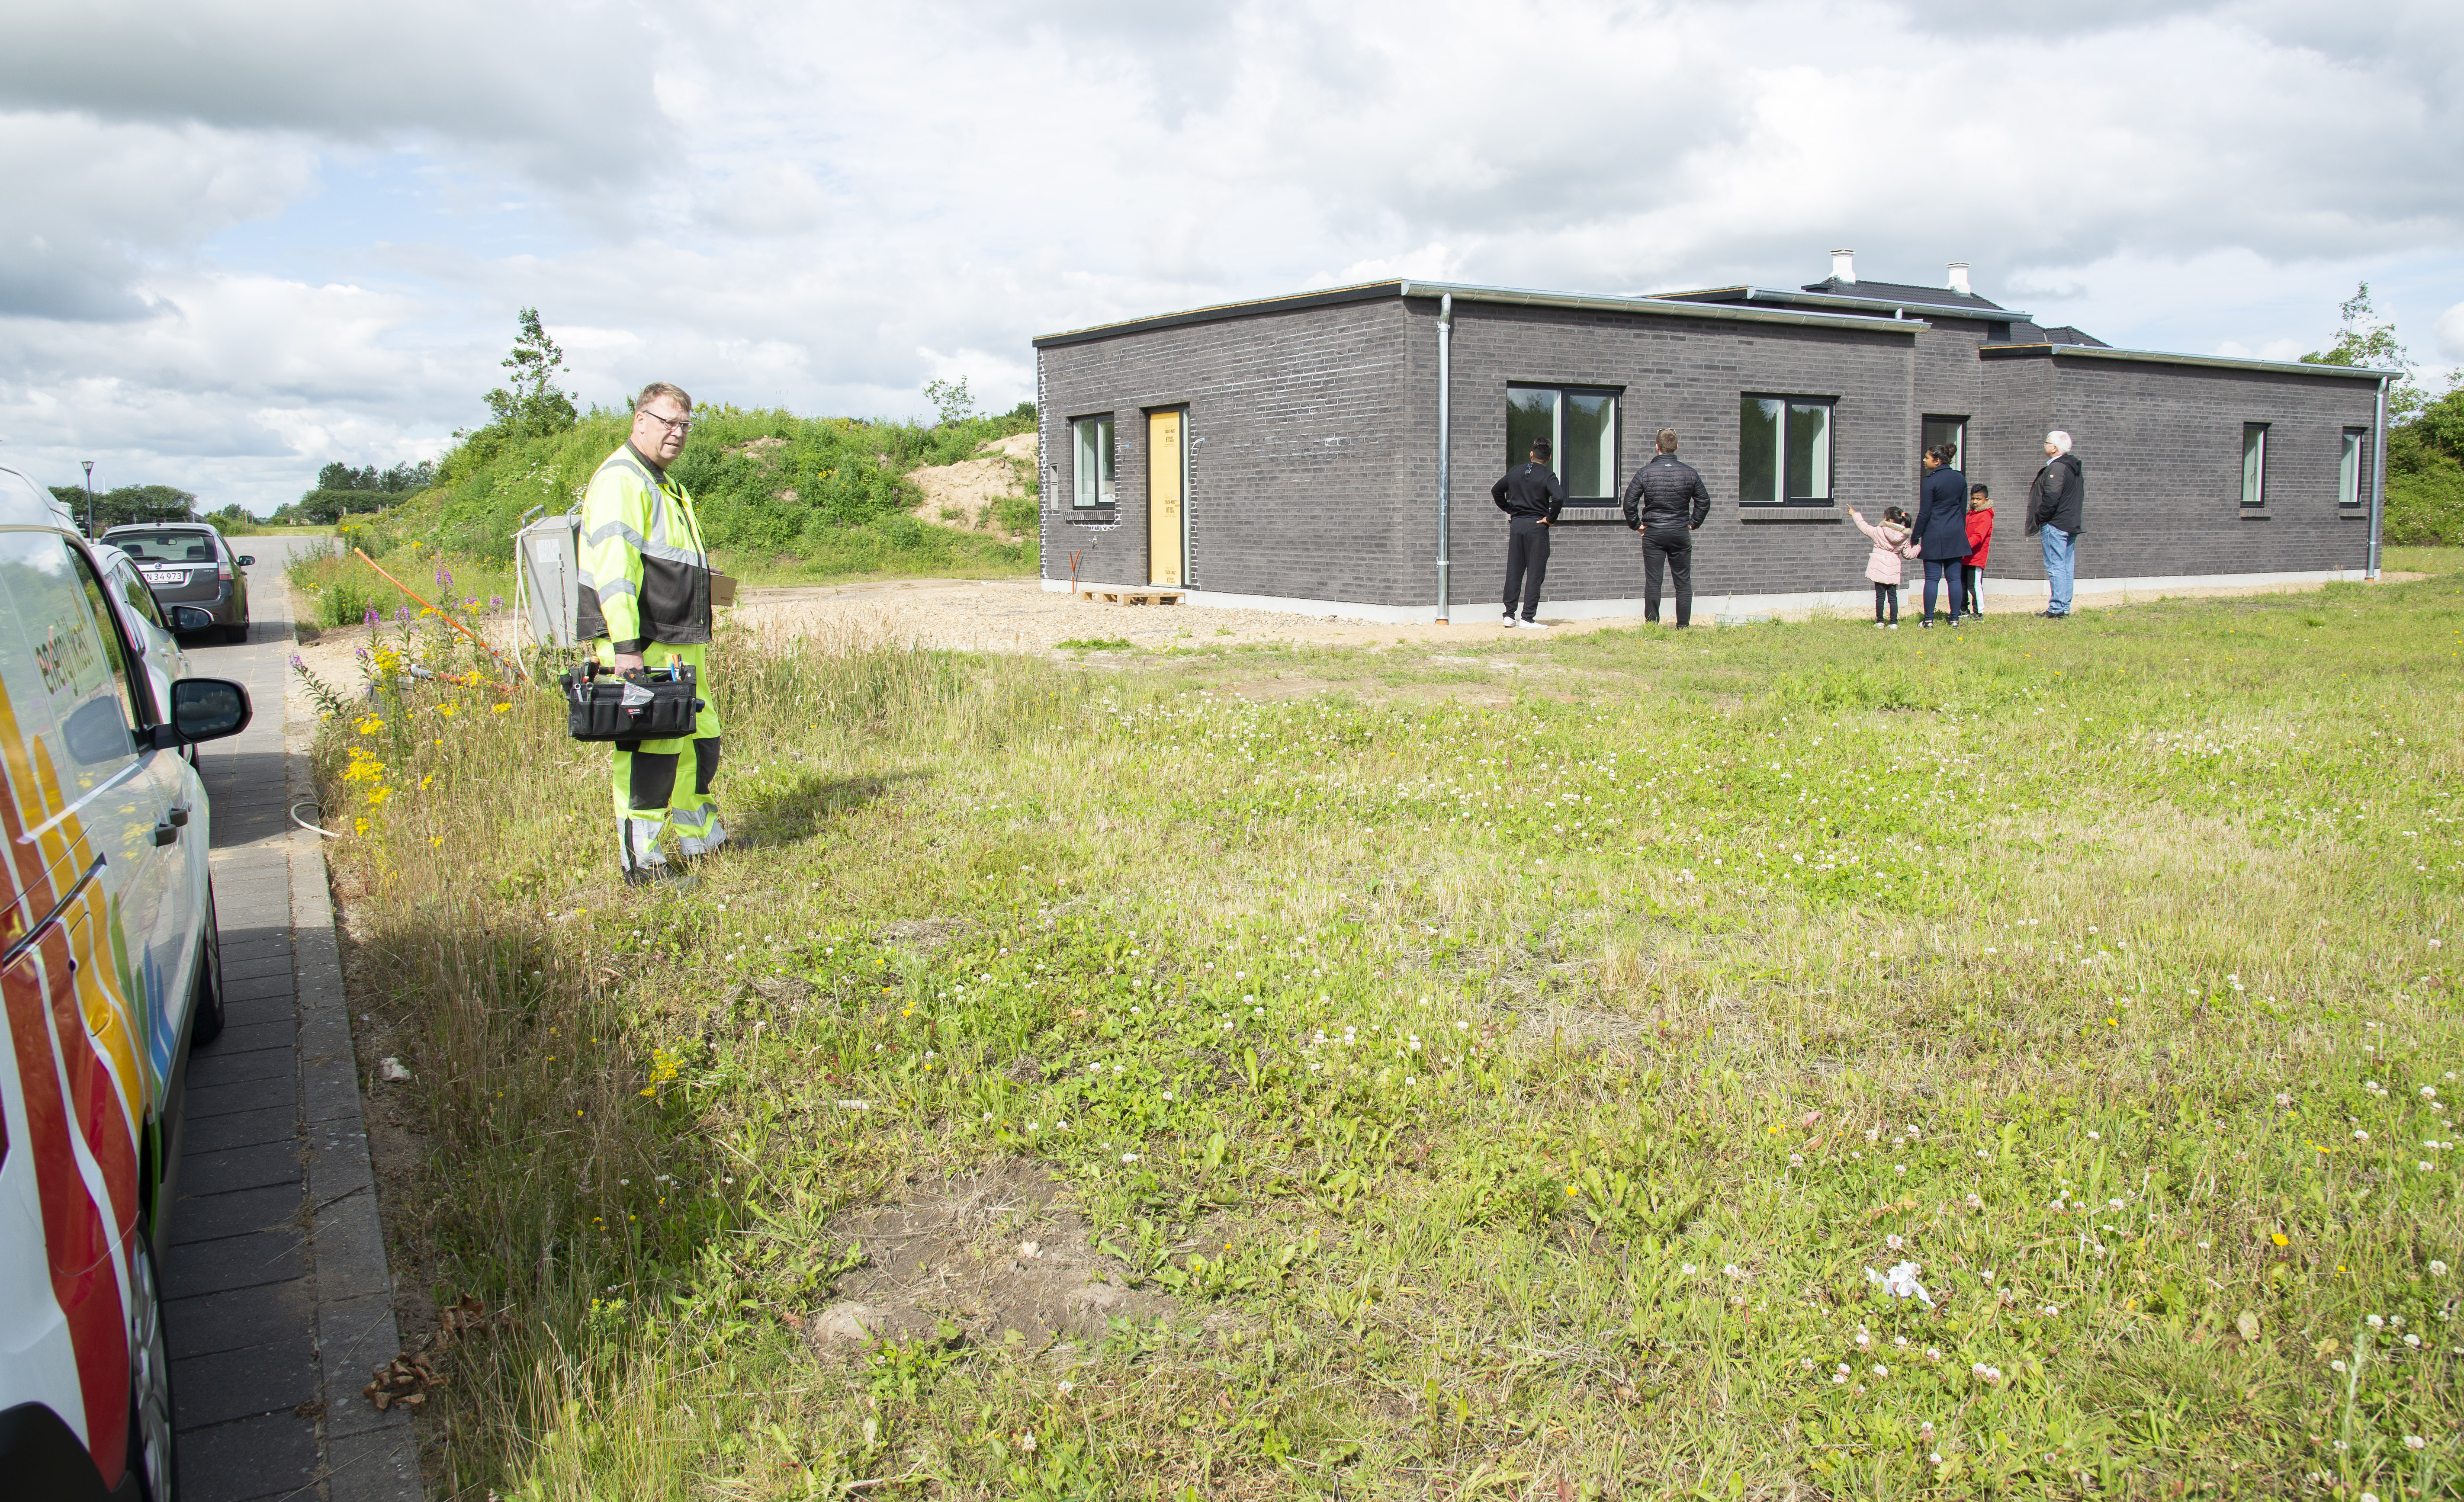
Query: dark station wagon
point(188, 564)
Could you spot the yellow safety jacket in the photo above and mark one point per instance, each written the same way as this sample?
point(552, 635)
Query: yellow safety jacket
point(644, 575)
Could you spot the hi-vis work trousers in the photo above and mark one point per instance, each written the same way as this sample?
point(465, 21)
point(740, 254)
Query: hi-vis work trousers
point(649, 788)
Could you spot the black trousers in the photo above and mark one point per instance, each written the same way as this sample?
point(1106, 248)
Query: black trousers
point(1886, 594)
point(1527, 563)
point(1974, 577)
point(1676, 548)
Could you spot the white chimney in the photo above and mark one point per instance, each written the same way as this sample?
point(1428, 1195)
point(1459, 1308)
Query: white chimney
point(1843, 266)
point(1959, 280)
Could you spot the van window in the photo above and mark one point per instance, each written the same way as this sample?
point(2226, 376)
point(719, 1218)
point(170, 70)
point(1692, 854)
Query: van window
point(140, 599)
point(135, 693)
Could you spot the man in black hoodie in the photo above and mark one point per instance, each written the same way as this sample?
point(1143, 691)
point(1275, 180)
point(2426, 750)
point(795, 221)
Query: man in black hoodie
point(1530, 495)
point(1667, 503)
point(2058, 508)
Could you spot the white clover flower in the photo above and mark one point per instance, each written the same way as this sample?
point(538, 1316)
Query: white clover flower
point(1894, 1242)
point(2437, 1268)
point(2415, 1442)
point(2052, 1310)
point(1796, 1159)
point(2360, 1136)
point(2283, 1097)
point(2376, 1323)
point(1687, 1268)
point(2096, 1136)
point(1880, 1370)
point(1975, 1203)
point(2414, 1340)
point(1733, 1270)
point(1805, 1362)
point(1933, 1353)
point(1128, 1157)
point(1899, 1340)
point(2114, 1205)
point(2335, 1367)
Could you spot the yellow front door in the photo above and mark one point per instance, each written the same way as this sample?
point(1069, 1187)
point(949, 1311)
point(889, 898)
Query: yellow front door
point(1165, 473)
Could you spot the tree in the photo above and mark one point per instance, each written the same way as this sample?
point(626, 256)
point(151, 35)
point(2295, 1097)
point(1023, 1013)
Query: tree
point(2368, 340)
point(533, 406)
point(952, 398)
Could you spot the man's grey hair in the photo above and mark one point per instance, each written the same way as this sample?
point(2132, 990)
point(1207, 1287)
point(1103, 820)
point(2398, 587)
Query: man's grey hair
point(659, 389)
point(2059, 439)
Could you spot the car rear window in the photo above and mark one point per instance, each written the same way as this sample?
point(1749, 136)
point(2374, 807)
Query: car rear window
point(166, 547)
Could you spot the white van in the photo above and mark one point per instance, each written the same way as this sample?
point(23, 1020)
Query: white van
point(111, 969)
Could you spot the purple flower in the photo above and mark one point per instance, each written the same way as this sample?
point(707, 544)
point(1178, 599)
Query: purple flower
point(496, 602)
point(444, 578)
point(360, 652)
point(402, 613)
point(371, 617)
point(296, 662)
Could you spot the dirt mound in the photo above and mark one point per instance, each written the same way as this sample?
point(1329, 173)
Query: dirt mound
point(967, 494)
point(995, 1253)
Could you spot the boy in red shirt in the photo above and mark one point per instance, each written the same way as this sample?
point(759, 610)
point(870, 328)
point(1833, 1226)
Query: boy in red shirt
point(1980, 542)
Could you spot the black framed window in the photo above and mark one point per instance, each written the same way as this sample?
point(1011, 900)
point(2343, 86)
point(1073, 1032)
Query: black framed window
point(1953, 430)
point(1091, 460)
point(2353, 468)
point(1579, 423)
point(2253, 464)
point(1784, 449)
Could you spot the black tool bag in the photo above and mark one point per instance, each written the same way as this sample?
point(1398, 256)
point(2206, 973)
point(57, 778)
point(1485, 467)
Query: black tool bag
point(644, 704)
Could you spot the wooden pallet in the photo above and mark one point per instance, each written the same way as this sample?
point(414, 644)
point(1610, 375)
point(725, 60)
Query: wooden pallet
point(1131, 596)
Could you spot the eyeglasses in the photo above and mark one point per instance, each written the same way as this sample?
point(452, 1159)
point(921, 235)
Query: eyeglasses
point(679, 426)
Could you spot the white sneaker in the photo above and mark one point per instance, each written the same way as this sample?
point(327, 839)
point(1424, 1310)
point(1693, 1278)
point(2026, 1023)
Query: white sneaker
point(1510, 622)
point(1879, 625)
point(1536, 625)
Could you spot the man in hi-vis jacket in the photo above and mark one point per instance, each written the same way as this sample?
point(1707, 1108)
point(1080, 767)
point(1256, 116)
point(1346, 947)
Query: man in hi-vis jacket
point(645, 599)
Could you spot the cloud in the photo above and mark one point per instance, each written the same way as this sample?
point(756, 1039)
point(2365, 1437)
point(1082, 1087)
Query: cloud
point(2451, 333)
point(556, 92)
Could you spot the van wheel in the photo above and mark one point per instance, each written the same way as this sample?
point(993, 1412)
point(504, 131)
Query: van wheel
point(153, 1454)
point(205, 994)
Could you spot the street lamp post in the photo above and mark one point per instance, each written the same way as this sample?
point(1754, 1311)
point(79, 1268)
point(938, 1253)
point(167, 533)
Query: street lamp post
point(89, 497)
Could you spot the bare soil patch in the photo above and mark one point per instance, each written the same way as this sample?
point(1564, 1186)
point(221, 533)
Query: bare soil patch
point(1002, 1255)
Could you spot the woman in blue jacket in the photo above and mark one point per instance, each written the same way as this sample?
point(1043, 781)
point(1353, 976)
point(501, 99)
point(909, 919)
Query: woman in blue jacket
point(1942, 529)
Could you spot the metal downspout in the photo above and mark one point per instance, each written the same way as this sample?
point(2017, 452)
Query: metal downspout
point(2378, 484)
point(1445, 432)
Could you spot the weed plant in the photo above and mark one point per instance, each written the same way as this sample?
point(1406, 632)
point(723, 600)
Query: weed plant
point(1760, 1062)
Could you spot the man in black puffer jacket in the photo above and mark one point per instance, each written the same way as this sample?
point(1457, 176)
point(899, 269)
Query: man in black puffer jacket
point(1666, 502)
point(2058, 508)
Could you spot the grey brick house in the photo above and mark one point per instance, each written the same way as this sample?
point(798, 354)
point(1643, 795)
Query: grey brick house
point(1301, 452)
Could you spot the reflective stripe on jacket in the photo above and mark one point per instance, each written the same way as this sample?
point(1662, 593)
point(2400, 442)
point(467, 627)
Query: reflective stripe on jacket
point(644, 575)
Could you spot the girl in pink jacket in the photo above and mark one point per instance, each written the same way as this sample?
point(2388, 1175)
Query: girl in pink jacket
point(1891, 544)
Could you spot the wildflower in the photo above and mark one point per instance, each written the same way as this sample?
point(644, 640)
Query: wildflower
point(2280, 1238)
point(1128, 1157)
point(1975, 1203)
point(2415, 1442)
point(1733, 1270)
point(1687, 1269)
point(1796, 1159)
point(2052, 1310)
point(2413, 1341)
point(2360, 1136)
point(2375, 1322)
point(1933, 1353)
point(1880, 1370)
point(1894, 1242)
point(1900, 1282)
point(1026, 1443)
point(498, 709)
point(2437, 1269)
point(2283, 1097)
point(2335, 1367)
point(1065, 1387)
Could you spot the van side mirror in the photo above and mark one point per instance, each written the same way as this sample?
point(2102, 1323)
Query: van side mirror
point(248, 561)
point(204, 709)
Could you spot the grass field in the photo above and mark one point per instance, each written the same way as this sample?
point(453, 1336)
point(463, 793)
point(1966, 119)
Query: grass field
point(1499, 1074)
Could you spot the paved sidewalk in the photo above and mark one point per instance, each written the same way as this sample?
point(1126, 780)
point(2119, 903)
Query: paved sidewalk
point(278, 1301)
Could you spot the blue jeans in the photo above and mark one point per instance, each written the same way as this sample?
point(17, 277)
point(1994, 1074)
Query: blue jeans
point(1941, 572)
point(2062, 565)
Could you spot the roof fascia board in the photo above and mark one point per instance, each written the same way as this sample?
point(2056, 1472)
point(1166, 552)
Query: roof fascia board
point(1939, 310)
point(1371, 290)
point(2163, 358)
point(1663, 306)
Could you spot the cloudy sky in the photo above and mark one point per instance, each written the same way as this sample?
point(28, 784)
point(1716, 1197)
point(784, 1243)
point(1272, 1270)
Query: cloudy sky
point(250, 237)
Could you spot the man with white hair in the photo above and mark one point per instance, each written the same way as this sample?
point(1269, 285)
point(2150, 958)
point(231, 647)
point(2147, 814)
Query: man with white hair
point(2057, 508)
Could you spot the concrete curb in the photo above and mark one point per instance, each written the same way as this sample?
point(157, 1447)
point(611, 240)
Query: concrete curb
point(369, 1456)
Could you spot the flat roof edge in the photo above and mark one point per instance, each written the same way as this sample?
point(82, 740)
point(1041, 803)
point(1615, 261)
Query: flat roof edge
point(1329, 296)
point(1932, 310)
point(2166, 358)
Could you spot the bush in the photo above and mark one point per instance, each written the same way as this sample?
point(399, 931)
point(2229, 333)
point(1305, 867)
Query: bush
point(2426, 508)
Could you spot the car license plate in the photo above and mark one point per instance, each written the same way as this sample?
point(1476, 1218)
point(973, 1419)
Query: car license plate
point(164, 576)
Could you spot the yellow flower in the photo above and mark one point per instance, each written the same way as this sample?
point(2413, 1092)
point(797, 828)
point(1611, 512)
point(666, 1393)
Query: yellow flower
point(2280, 1239)
point(498, 709)
point(362, 827)
point(446, 710)
point(368, 725)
